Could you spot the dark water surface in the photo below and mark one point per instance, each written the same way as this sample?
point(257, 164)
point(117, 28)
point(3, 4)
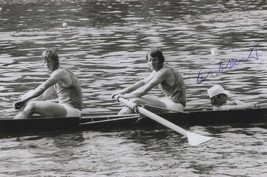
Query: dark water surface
point(104, 43)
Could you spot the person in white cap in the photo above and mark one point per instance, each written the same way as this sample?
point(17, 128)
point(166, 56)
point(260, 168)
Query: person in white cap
point(219, 97)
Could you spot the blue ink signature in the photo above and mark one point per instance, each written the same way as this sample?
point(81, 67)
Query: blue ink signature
point(229, 65)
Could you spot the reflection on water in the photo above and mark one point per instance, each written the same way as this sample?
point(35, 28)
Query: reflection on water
point(105, 43)
point(233, 152)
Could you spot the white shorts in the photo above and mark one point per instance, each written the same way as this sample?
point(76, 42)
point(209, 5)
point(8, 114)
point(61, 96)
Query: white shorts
point(72, 112)
point(177, 107)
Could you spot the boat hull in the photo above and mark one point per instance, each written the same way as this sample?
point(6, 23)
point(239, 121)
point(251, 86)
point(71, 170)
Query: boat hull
point(108, 123)
point(188, 119)
point(38, 125)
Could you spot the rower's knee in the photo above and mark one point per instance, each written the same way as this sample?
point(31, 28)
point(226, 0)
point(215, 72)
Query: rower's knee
point(126, 110)
point(176, 107)
point(30, 107)
point(27, 111)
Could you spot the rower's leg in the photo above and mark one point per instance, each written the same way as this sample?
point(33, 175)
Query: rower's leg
point(26, 112)
point(44, 108)
point(164, 103)
point(21, 115)
point(145, 100)
point(172, 106)
point(125, 110)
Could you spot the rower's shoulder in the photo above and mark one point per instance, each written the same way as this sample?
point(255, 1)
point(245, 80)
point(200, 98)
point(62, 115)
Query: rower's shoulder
point(168, 68)
point(60, 72)
point(163, 72)
point(166, 71)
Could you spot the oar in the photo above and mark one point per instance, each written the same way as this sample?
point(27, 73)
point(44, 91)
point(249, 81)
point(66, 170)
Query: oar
point(193, 138)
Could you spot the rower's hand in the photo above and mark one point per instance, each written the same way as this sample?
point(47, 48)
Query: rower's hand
point(116, 94)
point(113, 95)
point(19, 104)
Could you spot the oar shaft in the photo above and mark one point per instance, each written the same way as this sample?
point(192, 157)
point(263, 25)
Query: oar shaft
point(193, 138)
point(162, 121)
point(154, 117)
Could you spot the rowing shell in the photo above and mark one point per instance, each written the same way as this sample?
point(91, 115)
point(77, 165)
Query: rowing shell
point(134, 121)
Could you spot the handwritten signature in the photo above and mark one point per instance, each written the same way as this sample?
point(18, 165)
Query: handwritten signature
point(229, 65)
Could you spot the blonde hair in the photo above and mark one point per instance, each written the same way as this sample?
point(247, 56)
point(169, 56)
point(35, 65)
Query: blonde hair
point(50, 54)
point(155, 52)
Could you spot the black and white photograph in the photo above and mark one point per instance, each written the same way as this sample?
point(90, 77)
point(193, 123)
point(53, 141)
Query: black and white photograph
point(133, 88)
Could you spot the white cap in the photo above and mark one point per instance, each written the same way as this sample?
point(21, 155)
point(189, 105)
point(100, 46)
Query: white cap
point(216, 90)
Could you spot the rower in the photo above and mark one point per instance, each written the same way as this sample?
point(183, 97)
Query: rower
point(219, 100)
point(61, 84)
point(169, 80)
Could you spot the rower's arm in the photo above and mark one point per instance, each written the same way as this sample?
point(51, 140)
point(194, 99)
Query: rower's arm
point(49, 94)
point(157, 78)
point(137, 85)
point(133, 87)
point(237, 107)
point(234, 101)
point(54, 78)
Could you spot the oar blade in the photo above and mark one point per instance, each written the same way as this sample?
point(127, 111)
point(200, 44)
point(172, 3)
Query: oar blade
point(196, 139)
